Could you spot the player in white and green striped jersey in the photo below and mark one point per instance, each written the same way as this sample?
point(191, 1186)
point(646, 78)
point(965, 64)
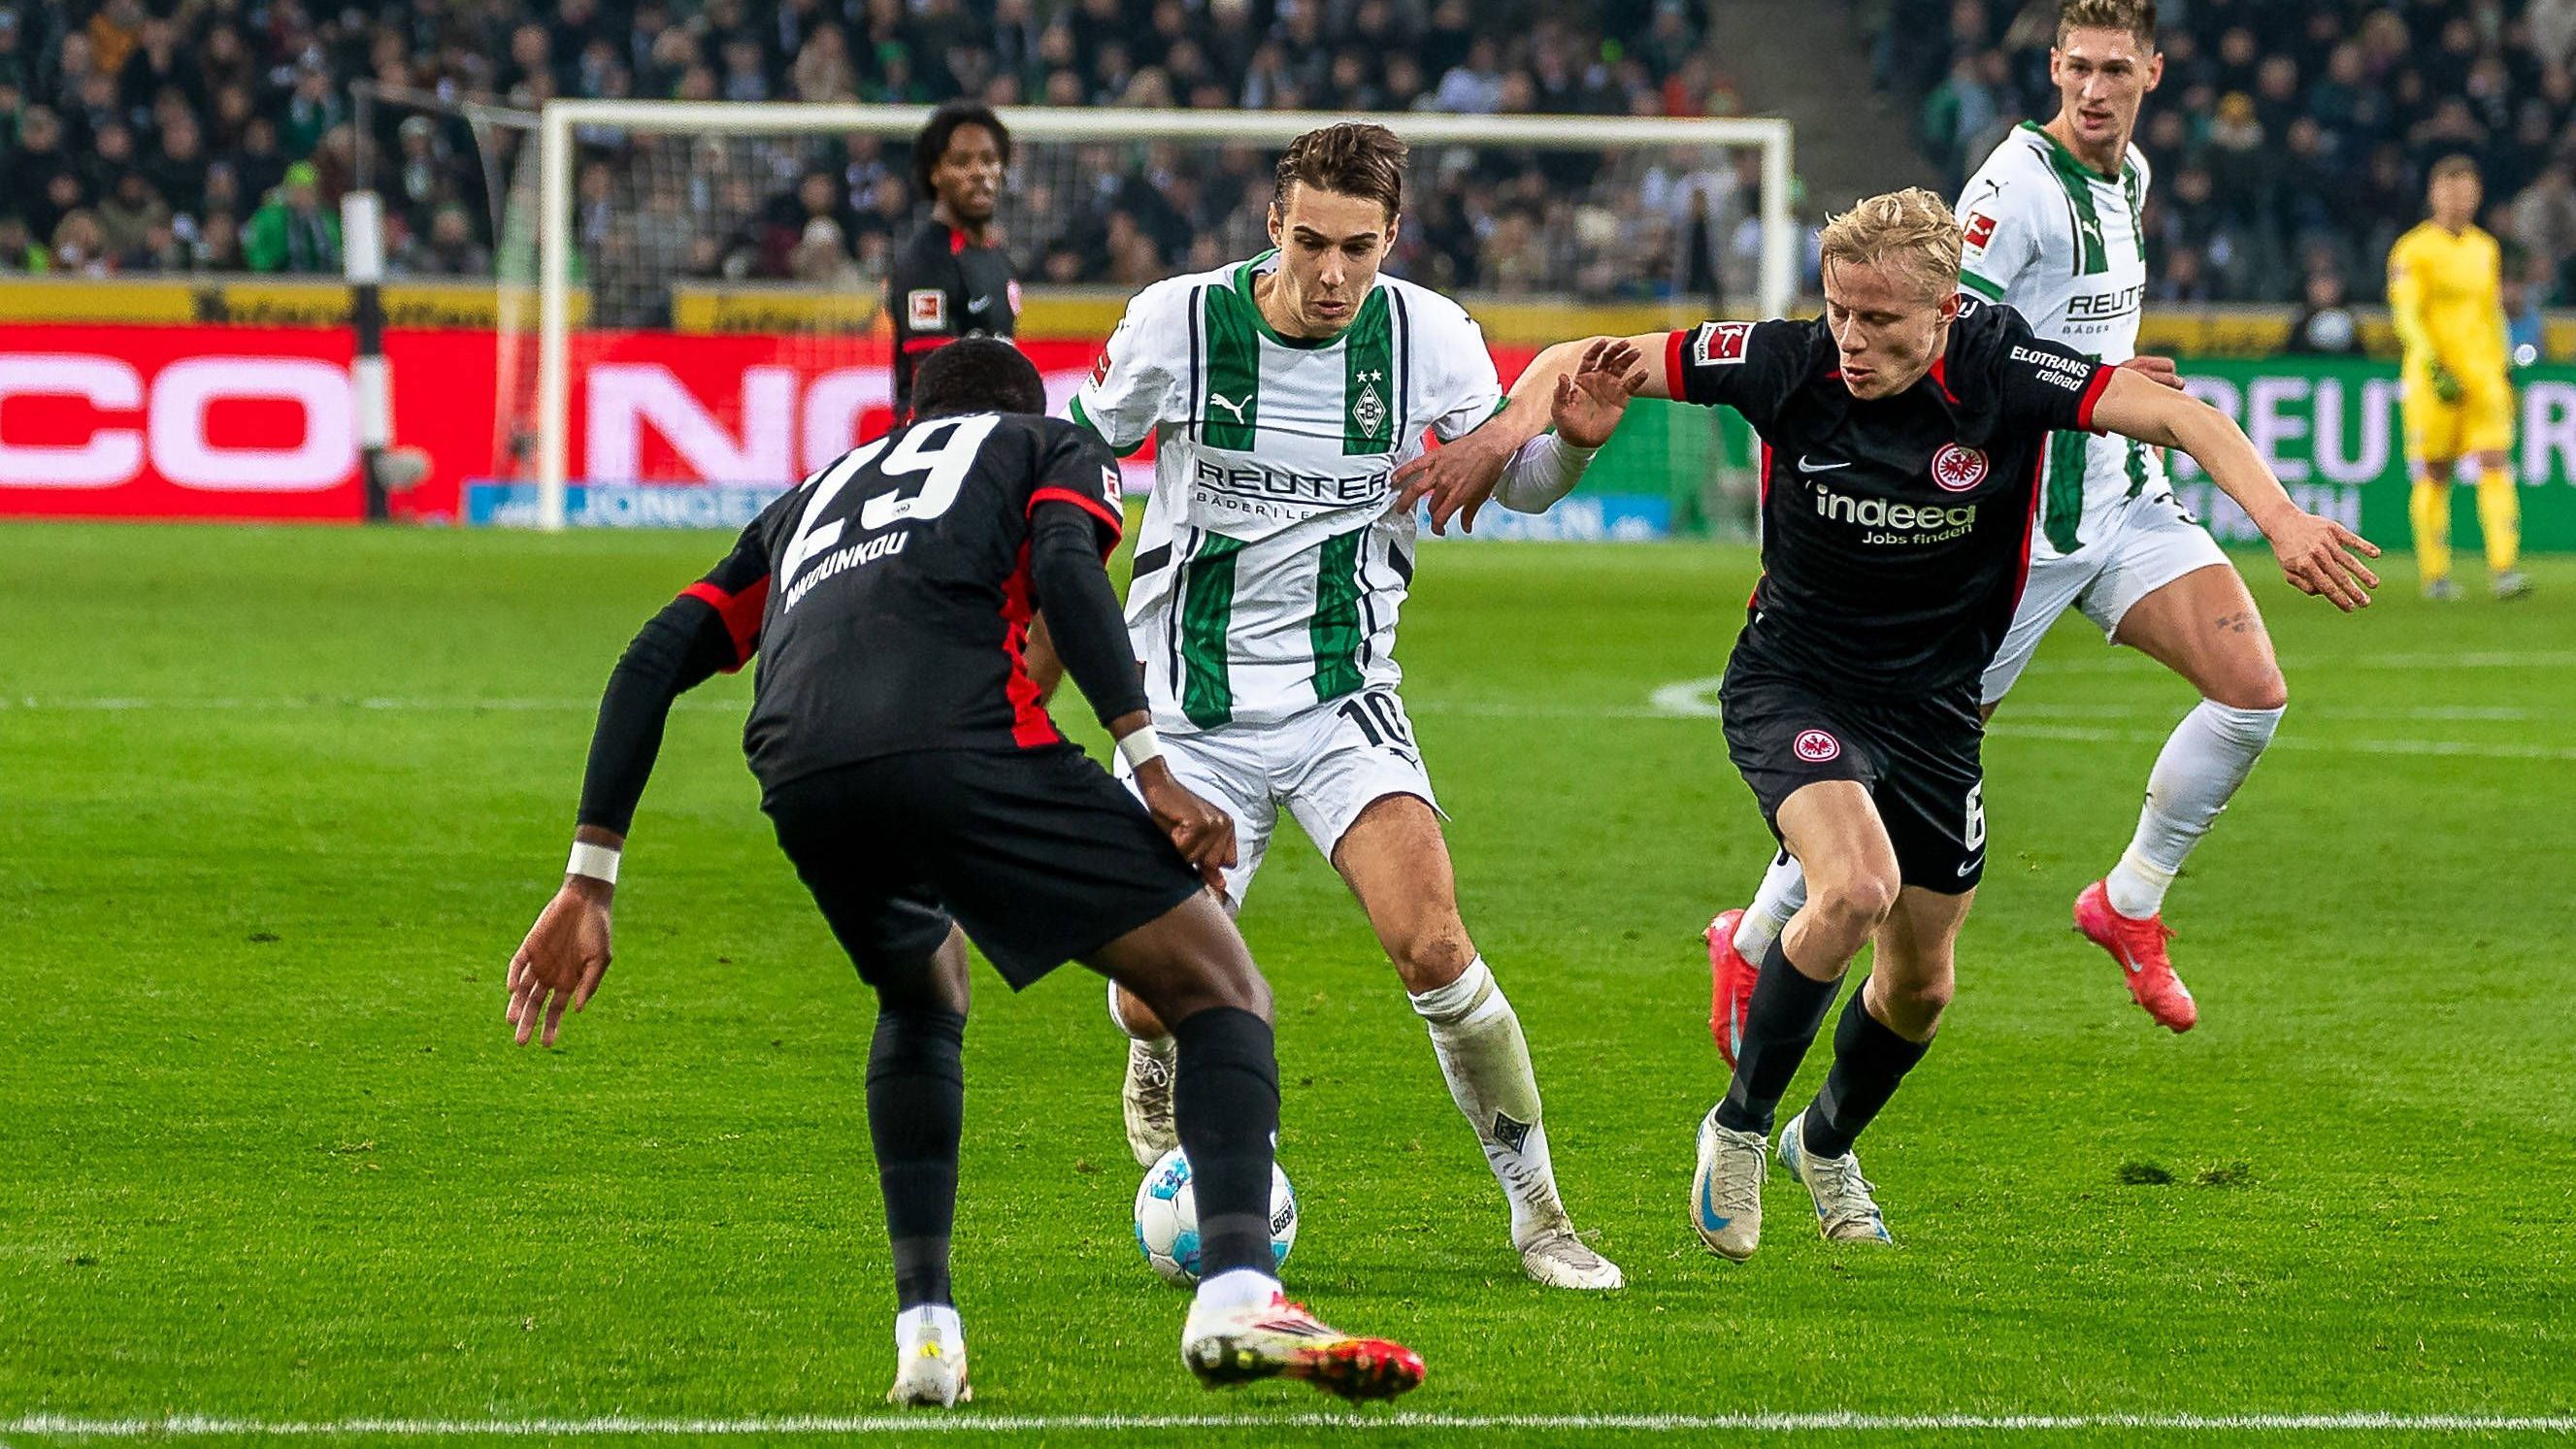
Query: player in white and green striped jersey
point(1281, 394)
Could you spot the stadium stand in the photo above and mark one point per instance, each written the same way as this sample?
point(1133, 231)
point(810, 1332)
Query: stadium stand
point(2289, 141)
point(205, 135)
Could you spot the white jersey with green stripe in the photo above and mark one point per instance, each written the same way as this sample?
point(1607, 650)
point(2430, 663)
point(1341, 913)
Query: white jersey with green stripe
point(1270, 567)
point(2063, 244)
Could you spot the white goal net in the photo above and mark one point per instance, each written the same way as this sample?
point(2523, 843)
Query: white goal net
point(710, 277)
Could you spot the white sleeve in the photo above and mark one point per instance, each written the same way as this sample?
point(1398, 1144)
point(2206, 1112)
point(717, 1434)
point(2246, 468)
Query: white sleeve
point(1544, 470)
point(1465, 389)
point(2000, 235)
point(1130, 389)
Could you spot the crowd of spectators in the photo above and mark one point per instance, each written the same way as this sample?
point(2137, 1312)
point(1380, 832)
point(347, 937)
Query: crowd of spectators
point(168, 135)
point(2289, 141)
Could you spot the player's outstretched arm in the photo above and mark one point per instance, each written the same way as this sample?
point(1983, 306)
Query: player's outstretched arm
point(1562, 408)
point(567, 951)
point(2318, 555)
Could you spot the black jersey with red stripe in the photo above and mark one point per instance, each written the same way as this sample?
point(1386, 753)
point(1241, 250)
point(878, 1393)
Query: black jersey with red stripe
point(946, 287)
point(888, 596)
point(1895, 531)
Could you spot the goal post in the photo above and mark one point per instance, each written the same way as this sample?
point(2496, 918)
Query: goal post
point(563, 125)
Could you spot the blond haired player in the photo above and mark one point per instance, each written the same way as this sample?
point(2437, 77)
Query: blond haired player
point(2051, 226)
point(1903, 435)
point(2446, 295)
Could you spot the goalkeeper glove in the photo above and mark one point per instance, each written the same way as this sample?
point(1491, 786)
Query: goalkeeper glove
point(2447, 386)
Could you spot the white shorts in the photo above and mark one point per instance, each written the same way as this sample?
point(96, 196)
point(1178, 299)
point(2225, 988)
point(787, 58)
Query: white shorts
point(1326, 765)
point(2153, 542)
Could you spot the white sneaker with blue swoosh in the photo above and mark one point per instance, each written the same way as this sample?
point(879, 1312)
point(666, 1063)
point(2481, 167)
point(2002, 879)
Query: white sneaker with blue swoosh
point(1845, 1211)
point(1726, 1192)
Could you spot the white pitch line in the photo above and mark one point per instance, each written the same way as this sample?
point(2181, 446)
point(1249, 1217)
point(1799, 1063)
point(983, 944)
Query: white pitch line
point(969, 1422)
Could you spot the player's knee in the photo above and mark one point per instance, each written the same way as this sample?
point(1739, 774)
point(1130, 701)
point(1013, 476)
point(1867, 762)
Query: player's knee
point(2260, 689)
point(1856, 904)
point(937, 982)
point(1433, 958)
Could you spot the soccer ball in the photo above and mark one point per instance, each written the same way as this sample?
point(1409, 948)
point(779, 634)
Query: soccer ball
point(1167, 1219)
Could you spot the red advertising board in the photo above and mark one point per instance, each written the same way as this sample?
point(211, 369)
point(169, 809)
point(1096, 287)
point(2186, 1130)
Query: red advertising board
point(260, 423)
point(216, 422)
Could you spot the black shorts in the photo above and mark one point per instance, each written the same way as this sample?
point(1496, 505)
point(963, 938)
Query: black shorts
point(1038, 854)
point(1918, 759)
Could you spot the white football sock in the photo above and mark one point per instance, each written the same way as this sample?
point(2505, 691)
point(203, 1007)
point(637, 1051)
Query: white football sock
point(1486, 1059)
point(915, 1326)
point(1784, 890)
point(2208, 757)
point(1237, 1288)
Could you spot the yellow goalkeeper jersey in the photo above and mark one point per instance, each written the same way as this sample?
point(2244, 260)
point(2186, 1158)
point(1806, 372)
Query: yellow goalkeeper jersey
point(2446, 296)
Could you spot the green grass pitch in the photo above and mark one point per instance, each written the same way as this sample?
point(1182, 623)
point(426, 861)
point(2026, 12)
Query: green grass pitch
point(275, 806)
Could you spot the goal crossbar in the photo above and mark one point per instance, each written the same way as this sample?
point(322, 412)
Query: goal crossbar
point(560, 120)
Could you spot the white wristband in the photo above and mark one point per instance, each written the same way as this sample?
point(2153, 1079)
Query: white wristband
point(1140, 747)
point(599, 862)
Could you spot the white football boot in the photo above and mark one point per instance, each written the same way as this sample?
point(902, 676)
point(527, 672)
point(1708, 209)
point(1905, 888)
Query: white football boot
point(1726, 1192)
point(929, 1359)
point(1556, 1257)
point(1147, 1100)
point(1845, 1211)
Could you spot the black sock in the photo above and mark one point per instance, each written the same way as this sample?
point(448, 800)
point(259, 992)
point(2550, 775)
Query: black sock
point(1869, 1060)
point(916, 1110)
point(1788, 1010)
point(1225, 1095)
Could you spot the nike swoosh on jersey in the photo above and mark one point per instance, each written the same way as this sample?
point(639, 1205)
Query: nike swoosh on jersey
point(979, 304)
point(1810, 465)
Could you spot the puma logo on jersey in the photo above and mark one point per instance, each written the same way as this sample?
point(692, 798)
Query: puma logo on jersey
point(1229, 404)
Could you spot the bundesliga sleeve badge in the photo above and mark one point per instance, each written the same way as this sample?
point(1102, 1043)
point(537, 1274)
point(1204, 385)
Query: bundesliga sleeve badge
point(1721, 343)
point(926, 308)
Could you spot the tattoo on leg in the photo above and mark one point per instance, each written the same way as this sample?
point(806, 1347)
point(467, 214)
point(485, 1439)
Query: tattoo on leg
point(2242, 622)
